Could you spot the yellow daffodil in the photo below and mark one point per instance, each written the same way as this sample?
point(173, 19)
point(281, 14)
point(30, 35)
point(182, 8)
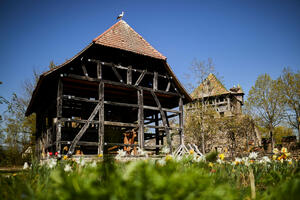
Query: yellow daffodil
point(210, 164)
point(251, 161)
point(192, 151)
point(275, 151)
point(100, 155)
point(274, 157)
point(287, 154)
point(65, 157)
point(290, 162)
point(169, 157)
point(221, 156)
point(284, 150)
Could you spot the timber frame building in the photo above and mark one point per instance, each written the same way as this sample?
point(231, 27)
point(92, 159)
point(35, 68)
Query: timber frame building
point(119, 82)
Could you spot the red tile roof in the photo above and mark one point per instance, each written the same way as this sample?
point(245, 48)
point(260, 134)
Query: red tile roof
point(122, 36)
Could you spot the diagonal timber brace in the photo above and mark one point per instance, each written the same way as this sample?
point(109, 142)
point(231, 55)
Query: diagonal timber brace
point(83, 129)
point(164, 119)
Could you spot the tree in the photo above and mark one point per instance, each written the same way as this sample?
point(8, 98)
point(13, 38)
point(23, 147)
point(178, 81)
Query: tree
point(289, 85)
point(266, 103)
point(200, 120)
point(20, 130)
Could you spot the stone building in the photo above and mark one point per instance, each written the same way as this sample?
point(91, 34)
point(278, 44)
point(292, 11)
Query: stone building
point(213, 92)
point(234, 133)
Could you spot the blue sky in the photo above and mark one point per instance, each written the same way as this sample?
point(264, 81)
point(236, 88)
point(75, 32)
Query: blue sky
point(244, 38)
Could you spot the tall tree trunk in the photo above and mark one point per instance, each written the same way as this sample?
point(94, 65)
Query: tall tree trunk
point(272, 139)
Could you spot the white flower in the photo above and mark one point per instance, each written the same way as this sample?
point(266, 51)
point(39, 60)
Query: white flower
point(199, 158)
point(253, 155)
point(121, 153)
point(161, 162)
point(82, 162)
point(68, 168)
point(220, 161)
point(265, 159)
point(94, 164)
point(26, 166)
point(52, 163)
point(165, 150)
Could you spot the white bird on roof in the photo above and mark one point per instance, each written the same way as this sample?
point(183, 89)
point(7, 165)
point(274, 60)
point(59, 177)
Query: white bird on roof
point(120, 15)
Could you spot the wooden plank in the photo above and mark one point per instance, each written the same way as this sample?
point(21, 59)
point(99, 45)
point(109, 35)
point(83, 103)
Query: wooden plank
point(59, 114)
point(80, 99)
point(101, 119)
point(181, 121)
point(140, 95)
point(120, 144)
point(84, 70)
point(164, 119)
point(140, 78)
point(168, 86)
point(117, 74)
point(99, 70)
point(121, 104)
point(83, 129)
point(83, 143)
point(121, 124)
point(155, 81)
point(129, 75)
point(156, 133)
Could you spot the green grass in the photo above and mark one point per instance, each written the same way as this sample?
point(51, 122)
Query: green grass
point(150, 180)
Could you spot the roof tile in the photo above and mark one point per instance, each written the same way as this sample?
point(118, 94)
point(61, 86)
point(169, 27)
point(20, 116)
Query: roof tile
point(122, 36)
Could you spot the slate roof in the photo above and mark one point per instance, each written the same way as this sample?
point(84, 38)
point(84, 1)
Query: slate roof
point(122, 36)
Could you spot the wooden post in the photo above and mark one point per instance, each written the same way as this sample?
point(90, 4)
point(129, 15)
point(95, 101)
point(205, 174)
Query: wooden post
point(59, 114)
point(129, 75)
point(181, 121)
point(101, 119)
point(155, 81)
point(99, 70)
point(141, 118)
point(156, 133)
point(164, 119)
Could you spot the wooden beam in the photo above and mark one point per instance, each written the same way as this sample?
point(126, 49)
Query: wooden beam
point(83, 129)
point(59, 114)
point(140, 95)
point(156, 133)
point(155, 81)
point(129, 75)
point(99, 70)
point(164, 119)
point(101, 119)
point(84, 70)
point(124, 68)
point(117, 74)
point(181, 121)
point(140, 78)
point(83, 78)
point(121, 124)
point(120, 144)
point(168, 86)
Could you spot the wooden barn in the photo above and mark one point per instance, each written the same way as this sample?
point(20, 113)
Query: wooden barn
point(117, 93)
